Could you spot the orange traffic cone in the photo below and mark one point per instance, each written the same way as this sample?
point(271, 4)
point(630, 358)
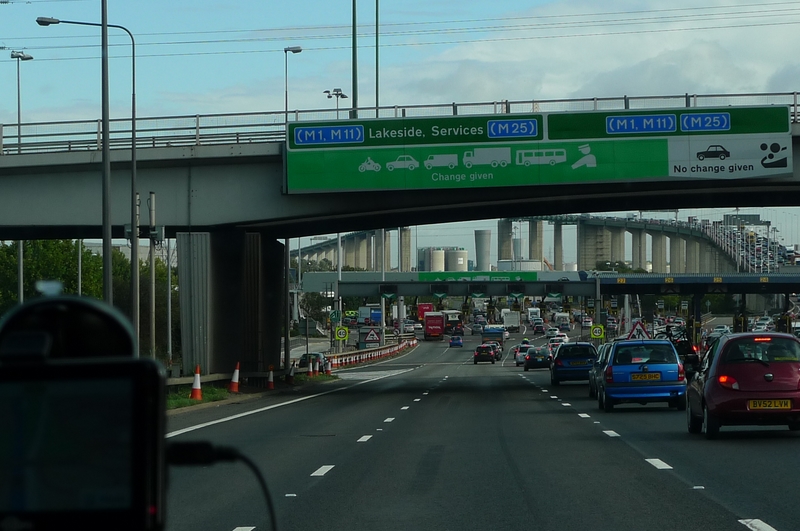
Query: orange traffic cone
point(270, 381)
point(328, 370)
point(290, 376)
point(233, 387)
point(197, 393)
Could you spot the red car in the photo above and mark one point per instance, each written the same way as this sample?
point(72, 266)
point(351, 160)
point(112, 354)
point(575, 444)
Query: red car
point(749, 378)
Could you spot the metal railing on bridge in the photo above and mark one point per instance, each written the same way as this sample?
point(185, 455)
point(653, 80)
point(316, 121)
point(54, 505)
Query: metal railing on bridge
point(259, 127)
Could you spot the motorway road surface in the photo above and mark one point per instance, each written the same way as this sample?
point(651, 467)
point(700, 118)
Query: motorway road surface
point(430, 441)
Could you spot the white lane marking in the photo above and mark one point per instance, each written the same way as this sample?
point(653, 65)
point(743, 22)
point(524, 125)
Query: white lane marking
point(404, 408)
point(545, 391)
point(287, 495)
point(390, 419)
point(379, 429)
point(249, 528)
point(597, 422)
point(584, 415)
point(565, 404)
point(756, 525)
point(425, 393)
point(446, 377)
point(659, 464)
point(321, 471)
point(366, 375)
point(611, 433)
point(553, 396)
point(267, 408)
point(417, 399)
point(698, 487)
point(365, 438)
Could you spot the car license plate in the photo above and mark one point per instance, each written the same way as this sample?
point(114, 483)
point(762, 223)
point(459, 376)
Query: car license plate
point(578, 363)
point(770, 404)
point(539, 358)
point(646, 376)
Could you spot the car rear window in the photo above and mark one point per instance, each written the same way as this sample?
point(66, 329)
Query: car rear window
point(768, 349)
point(484, 349)
point(652, 354)
point(576, 351)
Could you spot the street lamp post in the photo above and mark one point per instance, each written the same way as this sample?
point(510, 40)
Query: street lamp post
point(335, 93)
point(287, 254)
point(20, 56)
point(47, 21)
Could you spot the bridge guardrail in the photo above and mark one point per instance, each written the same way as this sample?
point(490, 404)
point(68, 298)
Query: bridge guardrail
point(235, 128)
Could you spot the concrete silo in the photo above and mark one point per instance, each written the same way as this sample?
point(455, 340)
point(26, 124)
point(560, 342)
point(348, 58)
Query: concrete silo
point(483, 246)
point(456, 260)
point(437, 260)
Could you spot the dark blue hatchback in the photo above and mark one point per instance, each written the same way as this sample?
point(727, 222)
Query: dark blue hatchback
point(572, 361)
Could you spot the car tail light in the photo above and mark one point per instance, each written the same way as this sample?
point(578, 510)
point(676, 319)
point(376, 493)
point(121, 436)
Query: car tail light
point(681, 372)
point(528, 356)
point(559, 362)
point(695, 348)
point(760, 339)
point(476, 352)
point(728, 382)
point(609, 374)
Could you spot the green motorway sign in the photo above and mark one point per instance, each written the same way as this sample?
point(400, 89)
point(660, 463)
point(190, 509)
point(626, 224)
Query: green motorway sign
point(454, 152)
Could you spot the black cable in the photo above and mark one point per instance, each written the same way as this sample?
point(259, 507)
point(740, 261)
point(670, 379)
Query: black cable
point(204, 453)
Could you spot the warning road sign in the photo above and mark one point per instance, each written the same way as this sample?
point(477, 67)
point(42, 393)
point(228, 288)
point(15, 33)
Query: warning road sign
point(372, 336)
point(638, 331)
point(342, 333)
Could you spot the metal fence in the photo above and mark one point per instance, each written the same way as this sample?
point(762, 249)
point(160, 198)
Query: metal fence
point(258, 127)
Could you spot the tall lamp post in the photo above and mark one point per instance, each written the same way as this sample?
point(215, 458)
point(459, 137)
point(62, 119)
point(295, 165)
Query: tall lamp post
point(335, 93)
point(20, 56)
point(287, 254)
point(108, 293)
point(47, 21)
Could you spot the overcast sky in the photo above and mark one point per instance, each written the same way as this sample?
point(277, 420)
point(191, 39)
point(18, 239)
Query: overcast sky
point(210, 56)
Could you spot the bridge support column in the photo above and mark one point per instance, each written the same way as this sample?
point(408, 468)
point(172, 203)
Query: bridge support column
point(594, 246)
point(677, 254)
point(706, 258)
point(349, 251)
point(361, 251)
point(617, 244)
point(535, 240)
point(228, 281)
point(405, 249)
point(504, 239)
point(558, 247)
point(370, 251)
point(639, 248)
point(659, 252)
point(692, 255)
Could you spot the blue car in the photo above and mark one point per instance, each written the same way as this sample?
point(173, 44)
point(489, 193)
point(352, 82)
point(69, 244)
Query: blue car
point(572, 361)
point(456, 341)
point(642, 371)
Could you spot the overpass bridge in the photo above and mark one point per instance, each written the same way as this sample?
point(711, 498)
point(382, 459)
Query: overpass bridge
point(229, 185)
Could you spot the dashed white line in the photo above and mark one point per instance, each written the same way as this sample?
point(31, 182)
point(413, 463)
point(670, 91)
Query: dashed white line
point(390, 419)
point(659, 464)
point(566, 404)
point(321, 471)
point(553, 396)
point(379, 429)
point(404, 408)
point(425, 393)
point(287, 495)
point(597, 422)
point(417, 399)
point(248, 528)
point(698, 487)
point(756, 525)
point(365, 438)
point(584, 415)
point(611, 433)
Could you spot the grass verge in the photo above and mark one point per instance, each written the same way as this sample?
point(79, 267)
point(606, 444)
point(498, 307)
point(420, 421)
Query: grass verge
point(302, 378)
point(180, 396)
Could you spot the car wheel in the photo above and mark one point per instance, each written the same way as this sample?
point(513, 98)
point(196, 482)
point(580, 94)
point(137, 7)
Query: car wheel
point(389, 167)
point(700, 157)
point(492, 362)
point(554, 381)
point(526, 368)
point(722, 157)
point(794, 426)
point(428, 166)
point(591, 390)
point(474, 362)
point(693, 424)
point(608, 404)
point(710, 424)
point(599, 399)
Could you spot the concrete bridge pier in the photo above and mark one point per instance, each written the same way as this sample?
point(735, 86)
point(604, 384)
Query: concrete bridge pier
point(594, 245)
point(231, 290)
point(405, 250)
point(659, 252)
point(639, 248)
point(370, 252)
point(677, 254)
point(558, 247)
point(617, 244)
point(692, 255)
point(349, 251)
point(504, 239)
point(535, 240)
